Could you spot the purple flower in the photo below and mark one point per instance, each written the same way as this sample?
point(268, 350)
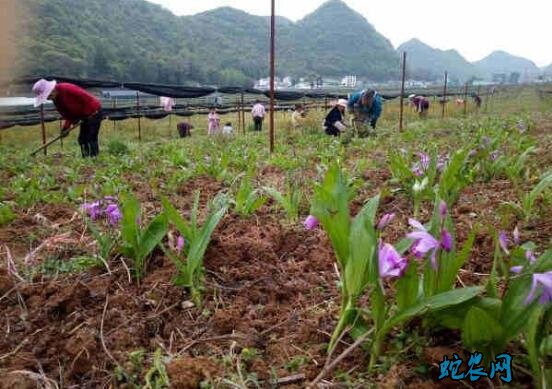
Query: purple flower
point(93, 210)
point(110, 199)
point(417, 170)
point(516, 269)
point(544, 279)
point(472, 153)
point(521, 126)
point(425, 160)
point(114, 215)
point(311, 223)
point(503, 241)
point(517, 237)
point(391, 264)
point(180, 243)
point(442, 163)
point(443, 209)
point(424, 242)
point(385, 221)
point(530, 256)
point(422, 166)
point(446, 241)
point(494, 155)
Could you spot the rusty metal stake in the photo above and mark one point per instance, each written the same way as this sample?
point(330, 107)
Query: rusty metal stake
point(138, 112)
point(43, 128)
point(466, 100)
point(444, 96)
point(401, 109)
point(272, 70)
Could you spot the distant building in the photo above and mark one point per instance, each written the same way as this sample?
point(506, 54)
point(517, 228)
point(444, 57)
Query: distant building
point(349, 81)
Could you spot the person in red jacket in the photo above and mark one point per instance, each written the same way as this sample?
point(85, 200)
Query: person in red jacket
point(74, 104)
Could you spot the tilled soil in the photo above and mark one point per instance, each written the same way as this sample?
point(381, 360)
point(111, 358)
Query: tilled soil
point(270, 287)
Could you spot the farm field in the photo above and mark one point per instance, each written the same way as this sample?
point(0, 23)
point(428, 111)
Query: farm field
point(187, 262)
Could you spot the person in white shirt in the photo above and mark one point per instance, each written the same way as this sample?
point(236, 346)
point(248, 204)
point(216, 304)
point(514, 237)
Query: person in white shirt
point(258, 112)
point(227, 129)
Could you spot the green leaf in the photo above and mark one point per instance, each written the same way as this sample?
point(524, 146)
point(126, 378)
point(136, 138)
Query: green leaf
point(129, 224)
point(481, 330)
point(533, 341)
point(153, 235)
point(174, 217)
point(450, 265)
point(546, 347)
point(432, 304)
point(330, 206)
point(515, 311)
point(407, 287)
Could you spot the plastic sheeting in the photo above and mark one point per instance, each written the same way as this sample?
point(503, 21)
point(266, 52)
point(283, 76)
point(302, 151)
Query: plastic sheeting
point(175, 91)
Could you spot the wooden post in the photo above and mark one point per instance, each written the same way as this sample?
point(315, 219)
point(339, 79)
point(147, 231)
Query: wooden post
point(138, 112)
point(466, 99)
point(43, 128)
point(272, 70)
point(401, 109)
point(444, 96)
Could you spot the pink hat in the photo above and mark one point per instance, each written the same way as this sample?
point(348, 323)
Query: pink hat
point(42, 89)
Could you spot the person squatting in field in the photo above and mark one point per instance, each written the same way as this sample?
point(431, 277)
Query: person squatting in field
point(420, 104)
point(258, 113)
point(184, 129)
point(333, 124)
point(74, 104)
point(366, 107)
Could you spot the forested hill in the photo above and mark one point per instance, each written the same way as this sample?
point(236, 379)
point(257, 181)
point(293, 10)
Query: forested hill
point(139, 41)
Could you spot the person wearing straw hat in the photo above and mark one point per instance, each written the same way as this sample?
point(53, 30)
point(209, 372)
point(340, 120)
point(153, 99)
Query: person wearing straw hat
point(333, 124)
point(366, 107)
point(420, 103)
point(74, 104)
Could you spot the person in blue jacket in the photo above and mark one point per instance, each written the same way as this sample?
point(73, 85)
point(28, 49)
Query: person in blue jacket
point(366, 107)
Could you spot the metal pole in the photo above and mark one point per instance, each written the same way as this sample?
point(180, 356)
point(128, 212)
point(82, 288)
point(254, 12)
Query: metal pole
point(43, 128)
point(138, 112)
point(466, 99)
point(272, 70)
point(401, 109)
point(60, 129)
point(242, 112)
point(444, 96)
point(114, 106)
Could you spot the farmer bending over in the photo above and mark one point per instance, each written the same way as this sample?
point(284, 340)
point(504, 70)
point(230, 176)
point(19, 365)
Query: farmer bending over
point(366, 107)
point(333, 124)
point(258, 113)
point(74, 104)
point(184, 129)
point(420, 104)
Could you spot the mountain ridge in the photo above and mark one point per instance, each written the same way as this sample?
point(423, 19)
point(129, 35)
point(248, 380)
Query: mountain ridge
point(141, 41)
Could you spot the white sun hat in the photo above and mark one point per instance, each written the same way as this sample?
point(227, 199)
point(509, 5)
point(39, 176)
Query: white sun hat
point(342, 102)
point(42, 89)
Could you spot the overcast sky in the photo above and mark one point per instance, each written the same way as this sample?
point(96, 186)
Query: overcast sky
point(473, 27)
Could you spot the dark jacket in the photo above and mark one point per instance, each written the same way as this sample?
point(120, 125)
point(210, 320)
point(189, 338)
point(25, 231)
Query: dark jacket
point(333, 116)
